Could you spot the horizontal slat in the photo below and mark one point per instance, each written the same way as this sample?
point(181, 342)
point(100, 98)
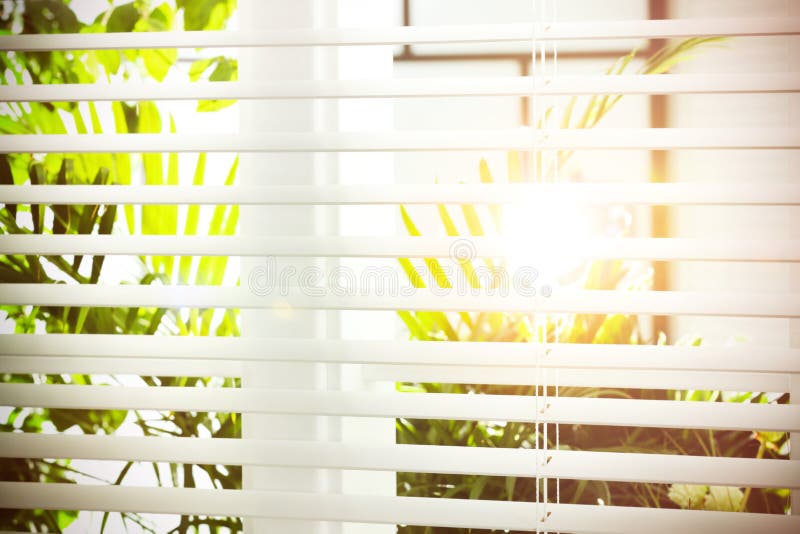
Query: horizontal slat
point(583, 193)
point(425, 511)
point(661, 249)
point(562, 31)
point(744, 357)
point(53, 365)
point(407, 87)
point(401, 141)
point(581, 465)
point(450, 374)
point(527, 409)
point(779, 305)
point(709, 380)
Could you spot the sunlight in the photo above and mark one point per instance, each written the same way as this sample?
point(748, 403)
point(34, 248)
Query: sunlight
point(543, 234)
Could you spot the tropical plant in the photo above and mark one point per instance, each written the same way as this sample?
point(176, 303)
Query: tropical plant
point(580, 328)
point(55, 16)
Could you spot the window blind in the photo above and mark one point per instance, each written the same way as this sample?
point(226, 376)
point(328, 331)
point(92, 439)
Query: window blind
point(545, 364)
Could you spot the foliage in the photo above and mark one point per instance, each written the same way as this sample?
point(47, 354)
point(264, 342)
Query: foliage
point(54, 16)
point(579, 328)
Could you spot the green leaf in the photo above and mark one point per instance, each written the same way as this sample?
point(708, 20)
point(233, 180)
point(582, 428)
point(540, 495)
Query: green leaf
point(11, 126)
point(217, 264)
point(152, 216)
point(172, 160)
point(738, 396)
point(122, 161)
point(122, 19)
point(477, 487)
point(89, 215)
point(510, 483)
point(192, 219)
point(206, 14)
point(207, 106)
point(155, 321)
point(110, 59)
point(64, 518)
point(473, 221)
point(37, 177)
point(411, 272)
point(723, 499)
point(435, 268)
point(227, 70)
point(615, 329)
point(408, 267)
point(765, 436)
point(82, 313)
point(566, 117)
point(46, 119)
point(126, 117)
point(688, 496)
point(411, 228)
point(149, 119)
point(95, 118)
point(452, 231)
point(447, 221)
point(439, 319)
point(61, 219)
point(220, 14)
point(443, 323)
point(428, 324)
point(7, 178)
point(80, 125)
point(51, 16)
point(105, 227)
point(199, 67)
point(475, 227)
point(413, 325)
point(161, 18)
point(158, 61)
point(223, 219)
point(486, 177)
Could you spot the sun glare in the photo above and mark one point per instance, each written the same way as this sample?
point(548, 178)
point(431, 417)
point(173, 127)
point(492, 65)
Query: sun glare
point(545, 235)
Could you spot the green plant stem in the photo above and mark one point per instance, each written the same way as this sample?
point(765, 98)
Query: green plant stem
point(762, 448)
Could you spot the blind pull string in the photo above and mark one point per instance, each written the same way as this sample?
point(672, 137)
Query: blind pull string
point(557, 178)
point(533, 169)
point(544, 325)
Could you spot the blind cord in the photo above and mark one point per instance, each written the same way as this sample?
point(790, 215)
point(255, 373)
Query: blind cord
point(534, 177)
point(557, 170)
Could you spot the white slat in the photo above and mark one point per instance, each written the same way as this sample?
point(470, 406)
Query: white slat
point(564, 410)
point(144, 366)
point(716, 380)
point(407, 87)
point(656, 249)
point(404, 141)
point(456, 513)
point(526, 194)
point(484, 354)
point(777, 305)
point(611, 378)
point(580, 465)
point(562, 31)
point(746, 368)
